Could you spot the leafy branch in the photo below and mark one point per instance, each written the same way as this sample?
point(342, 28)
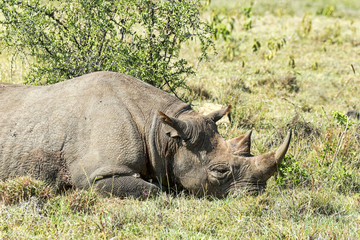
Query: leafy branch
point(141, 38)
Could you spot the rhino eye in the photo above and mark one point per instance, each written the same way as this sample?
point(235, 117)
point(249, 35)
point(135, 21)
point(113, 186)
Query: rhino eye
point(220, 170)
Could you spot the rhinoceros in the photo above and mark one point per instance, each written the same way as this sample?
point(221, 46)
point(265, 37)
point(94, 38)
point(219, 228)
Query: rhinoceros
point(125, 138)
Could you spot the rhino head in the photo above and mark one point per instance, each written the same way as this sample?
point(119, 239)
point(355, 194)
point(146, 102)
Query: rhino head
point(205, 163)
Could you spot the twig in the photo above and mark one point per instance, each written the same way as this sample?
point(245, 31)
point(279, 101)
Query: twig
point(353, 68)
point(171, 89)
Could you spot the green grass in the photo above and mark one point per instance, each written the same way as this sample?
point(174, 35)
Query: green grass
point(306, 82)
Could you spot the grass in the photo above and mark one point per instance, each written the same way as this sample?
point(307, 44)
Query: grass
point(286, 214)
point(306, 82)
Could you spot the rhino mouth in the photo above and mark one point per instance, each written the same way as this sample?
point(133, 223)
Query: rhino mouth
point(257, 190)
point(252, 189)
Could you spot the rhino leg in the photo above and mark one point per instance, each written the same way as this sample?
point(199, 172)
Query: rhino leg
point(119, 181)
point(126, 186)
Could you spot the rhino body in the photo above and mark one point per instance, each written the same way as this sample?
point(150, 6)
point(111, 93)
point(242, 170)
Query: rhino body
point(123, 136)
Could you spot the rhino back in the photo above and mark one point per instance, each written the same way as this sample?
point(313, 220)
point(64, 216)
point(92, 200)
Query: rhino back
point(31, 133)
point(44, 130)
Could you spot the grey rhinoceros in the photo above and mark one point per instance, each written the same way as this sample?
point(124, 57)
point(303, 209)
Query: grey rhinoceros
point(124, 137)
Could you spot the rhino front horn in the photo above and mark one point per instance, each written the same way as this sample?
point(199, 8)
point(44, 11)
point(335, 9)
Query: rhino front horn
point(280, 153)
point(267, 164)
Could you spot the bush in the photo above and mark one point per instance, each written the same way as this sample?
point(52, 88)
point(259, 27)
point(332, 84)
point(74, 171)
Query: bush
point(291, 173)
point(141, 38)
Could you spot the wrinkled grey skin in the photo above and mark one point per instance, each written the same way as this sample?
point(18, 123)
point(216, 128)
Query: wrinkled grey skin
point(125, 137)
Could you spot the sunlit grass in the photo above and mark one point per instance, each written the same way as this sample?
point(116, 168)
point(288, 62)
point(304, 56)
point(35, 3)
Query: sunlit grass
point(278, 213)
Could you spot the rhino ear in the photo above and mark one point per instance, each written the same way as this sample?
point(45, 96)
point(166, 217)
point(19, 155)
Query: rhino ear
point(171, 132)
point(217, 115)
point(175, 127)
point(242, 144)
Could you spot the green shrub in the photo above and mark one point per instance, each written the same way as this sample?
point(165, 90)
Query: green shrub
point(327, 11)
point(291, 173)
point(341, 119)
point(306, 26)
point(221, 26)
point(141, 38)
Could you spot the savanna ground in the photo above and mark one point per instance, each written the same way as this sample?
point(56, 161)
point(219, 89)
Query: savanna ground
point(284, 64)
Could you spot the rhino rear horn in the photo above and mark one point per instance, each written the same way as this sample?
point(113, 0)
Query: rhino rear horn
point(217, 115)
point(242, 144)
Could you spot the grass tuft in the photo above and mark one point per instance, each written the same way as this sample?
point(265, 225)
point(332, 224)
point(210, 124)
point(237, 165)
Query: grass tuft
point(82, 200)
point(21, 189)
